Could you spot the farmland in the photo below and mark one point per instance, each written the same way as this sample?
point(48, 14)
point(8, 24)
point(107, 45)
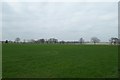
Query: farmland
point(59, 61)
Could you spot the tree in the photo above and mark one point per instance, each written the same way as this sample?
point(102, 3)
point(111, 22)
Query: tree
point(81, 40)
point(95, 40)
point(17, 40)
point(118, 41)
point(62, 42)
point(52, 40)
point(41, 40)
point(6, 41)
point(32, 40)
point(114, 40)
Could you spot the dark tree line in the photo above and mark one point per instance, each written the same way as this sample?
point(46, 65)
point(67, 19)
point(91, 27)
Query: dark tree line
point(113, 41)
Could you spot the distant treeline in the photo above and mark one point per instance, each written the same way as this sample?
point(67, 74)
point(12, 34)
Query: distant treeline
point(94, 40)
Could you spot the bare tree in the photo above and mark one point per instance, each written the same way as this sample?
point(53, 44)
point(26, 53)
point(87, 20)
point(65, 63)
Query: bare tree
point(32, 41)
point(6, 41)
point(41, 41)
point(62, 42)
point(52, 40)
point(95, 40)
point(114, 40)
point(81, 40)
point(17, 40)
point(118, 41)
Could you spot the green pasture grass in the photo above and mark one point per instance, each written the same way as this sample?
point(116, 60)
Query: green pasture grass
point(0, 60)
point(59, 61)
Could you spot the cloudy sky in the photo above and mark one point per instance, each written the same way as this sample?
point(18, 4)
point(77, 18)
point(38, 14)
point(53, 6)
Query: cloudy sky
point(61, 20)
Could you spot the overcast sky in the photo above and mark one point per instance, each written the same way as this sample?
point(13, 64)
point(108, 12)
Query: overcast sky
point(61, 20)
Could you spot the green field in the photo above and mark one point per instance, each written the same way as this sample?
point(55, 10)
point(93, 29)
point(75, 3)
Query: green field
point(59, 61)
point(0, 60)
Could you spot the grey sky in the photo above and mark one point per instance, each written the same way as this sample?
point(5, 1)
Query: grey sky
point(61, 20)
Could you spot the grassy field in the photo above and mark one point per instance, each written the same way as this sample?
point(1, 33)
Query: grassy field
point(59, 61)
point(0, 60)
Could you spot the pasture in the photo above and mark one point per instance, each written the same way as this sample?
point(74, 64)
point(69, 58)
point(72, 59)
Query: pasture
point(59, 61)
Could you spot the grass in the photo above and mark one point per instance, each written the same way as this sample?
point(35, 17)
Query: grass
point(59, 61)
point(0, 60)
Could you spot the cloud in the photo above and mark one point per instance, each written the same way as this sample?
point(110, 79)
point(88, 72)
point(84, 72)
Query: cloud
point(0, 21)
point(60, 0)
point(63, 20)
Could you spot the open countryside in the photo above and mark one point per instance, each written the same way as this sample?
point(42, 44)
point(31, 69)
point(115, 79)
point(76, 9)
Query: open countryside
point(59, 39)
